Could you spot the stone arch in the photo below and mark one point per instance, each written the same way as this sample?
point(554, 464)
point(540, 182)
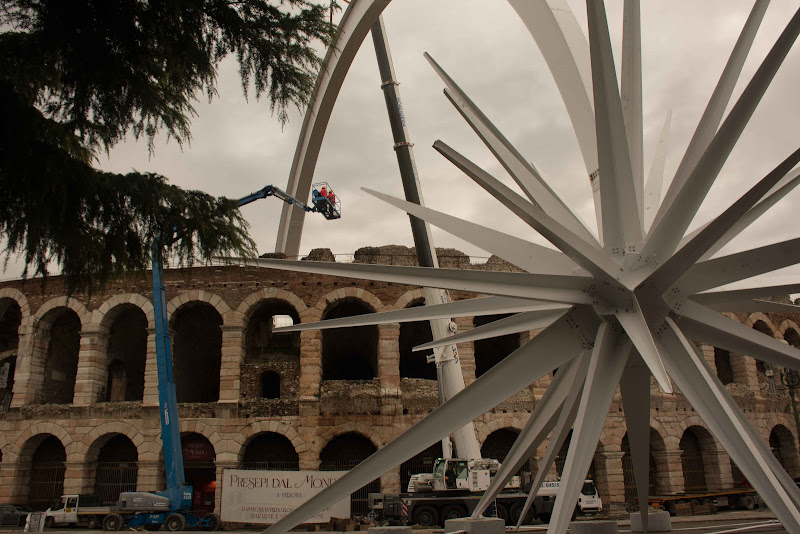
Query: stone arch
point(344, 451)
point(497, 444)
point(19, 297)
point(199, 464)
point(408, 297)
point(192, 297)
point(109, 310)
point(351, 427)
point(252, 302)
point(41, 466)
point(111, 466)
point(73, 448)
point(93, 440)
point(342, 359)
point(698, 451)
point(197, 327)
point(269, 450)
point(205, 430)
point(783, 444)
point(277, 427)
point(53, 377)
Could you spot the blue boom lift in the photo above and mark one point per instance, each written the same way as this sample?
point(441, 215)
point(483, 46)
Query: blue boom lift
point(172, 507)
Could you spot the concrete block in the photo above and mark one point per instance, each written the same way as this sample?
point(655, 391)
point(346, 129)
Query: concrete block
point(657, 521)
point(389, 530)
point(593, 527)
point(483, 525)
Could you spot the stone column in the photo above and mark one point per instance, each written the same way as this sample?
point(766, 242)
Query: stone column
point(466, 351)
point(92, 374)
point(8, 481)
point(390, 481)
point(29, 373)
point(221, 465)
point(608, 476)
point(147, 476)
point(150, 397)
point(74, 478)
point(669, 475)
point(231, 364)
point(308, 460)
point(310, 371)
point(389, 368)
point(718, 469)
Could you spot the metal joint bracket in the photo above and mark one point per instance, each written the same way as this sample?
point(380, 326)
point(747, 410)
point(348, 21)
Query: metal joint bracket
point(389, 82)
point(402, 144)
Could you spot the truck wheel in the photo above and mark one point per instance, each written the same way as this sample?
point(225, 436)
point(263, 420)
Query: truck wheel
point(92, 522)
point(213, 521)
point(49, 522)
point(544, 518)
point(515, 511)
point(426, 516)
point(175, 522)
point(453, 511)
point(502, 512)
point(748, 502)
point(112, 522)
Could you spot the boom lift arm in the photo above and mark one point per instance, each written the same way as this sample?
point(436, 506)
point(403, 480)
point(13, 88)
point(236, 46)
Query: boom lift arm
point(178, 491)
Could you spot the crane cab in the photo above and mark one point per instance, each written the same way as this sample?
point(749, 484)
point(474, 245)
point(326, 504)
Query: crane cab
point(325, 201)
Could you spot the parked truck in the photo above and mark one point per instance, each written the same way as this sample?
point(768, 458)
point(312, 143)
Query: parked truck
point(140, 508)
point(455, 487)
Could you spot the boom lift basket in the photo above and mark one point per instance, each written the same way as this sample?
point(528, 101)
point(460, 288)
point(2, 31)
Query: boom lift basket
point(325, 202)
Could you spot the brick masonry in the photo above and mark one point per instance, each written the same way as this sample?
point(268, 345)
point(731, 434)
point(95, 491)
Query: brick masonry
point(310, 411)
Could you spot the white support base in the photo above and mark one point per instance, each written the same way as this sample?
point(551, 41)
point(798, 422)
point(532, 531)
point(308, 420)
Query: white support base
point(657, 521)
point(481, 525)
point(389, 530)
point(593, 527)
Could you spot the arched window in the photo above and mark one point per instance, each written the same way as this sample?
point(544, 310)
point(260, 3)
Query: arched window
point(415, 364)
point(47, 474)
point(694, 471)
point(197, 353)
point(117, 469)
point(270, 385)
point(127, 352)
point(349, 353)
point(490, 352)
point(117, 382)
point(722, 360)
point(61, 360)
point(345, 452)
point(271, 451)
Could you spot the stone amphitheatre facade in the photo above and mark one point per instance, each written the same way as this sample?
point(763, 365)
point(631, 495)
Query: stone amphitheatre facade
point(81, 401)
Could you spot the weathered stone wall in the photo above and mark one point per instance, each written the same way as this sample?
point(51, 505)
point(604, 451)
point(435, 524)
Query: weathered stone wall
point(310, 411)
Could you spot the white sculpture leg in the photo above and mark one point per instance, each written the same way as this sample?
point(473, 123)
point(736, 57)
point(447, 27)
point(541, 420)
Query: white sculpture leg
point(563, 426)
point(539, 425)
point(605, 370)
point(517, 370)
point(635, 390)
point(751, 455)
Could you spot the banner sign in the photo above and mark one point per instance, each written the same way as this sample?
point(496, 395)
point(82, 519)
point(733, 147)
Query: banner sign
point(267, 496)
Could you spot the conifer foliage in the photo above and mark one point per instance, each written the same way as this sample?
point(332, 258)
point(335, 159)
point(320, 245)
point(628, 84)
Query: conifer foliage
point(76, 76)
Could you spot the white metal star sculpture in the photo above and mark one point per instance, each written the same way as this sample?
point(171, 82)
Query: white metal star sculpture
point(614, 310)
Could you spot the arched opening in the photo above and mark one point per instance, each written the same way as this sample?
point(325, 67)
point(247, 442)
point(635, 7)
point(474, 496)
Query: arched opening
point(349, 353)
point(692, 461)
point(722, 360)
point(784, 448)
point(200, 471)
point(631, 497)
point(127, 352)
point(270, 385)
point(61, 359)
point(117, 469)
point(419, 463)
point(498, 443)
point(271, 451)
point(344, 452)
point(490, 352)
point(261, 341)
point(197, 353)
point(10, 319)
point(47, 474)
point(415, 364)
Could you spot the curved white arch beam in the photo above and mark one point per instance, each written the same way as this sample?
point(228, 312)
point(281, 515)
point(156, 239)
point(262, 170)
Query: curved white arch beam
point(556, 32)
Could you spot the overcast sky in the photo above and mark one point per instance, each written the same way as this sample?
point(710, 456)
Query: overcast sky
point(237, 147)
